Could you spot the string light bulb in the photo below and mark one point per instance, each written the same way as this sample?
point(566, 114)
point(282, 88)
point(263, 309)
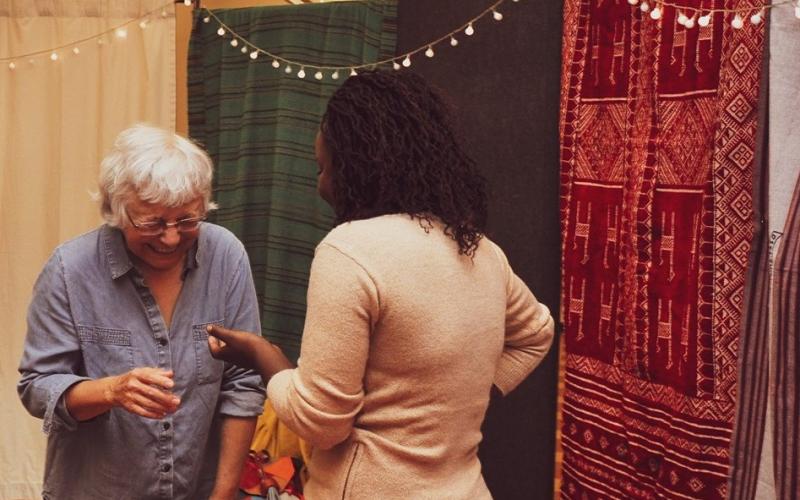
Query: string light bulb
point(254, 55)
point(301, 73)
point(453, 41)
point(756, 18)
point(221, 31)
point(318, 75)
point(121, 33)
point(288, 69)
point(655, 14)
point(682, 18)
point(737, 22)
point(234, 43)
point(353, 72)
point(429, 52)
point(76, 50)
point(12, 66)
point(187, 3)
point(407, 62)
point(54, 57)
point(704, 20)
point(633, 2)
point(143, 24)
point(276, 64)
point(689, 23)
point(207, 19)
point(243, 50)
point(395, 66)
point(498, 16)
point(645, 7)
point(335, 75)
point(469, 31)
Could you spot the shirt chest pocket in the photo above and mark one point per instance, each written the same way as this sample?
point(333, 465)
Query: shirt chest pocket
point(208, 368)
point(106, 351)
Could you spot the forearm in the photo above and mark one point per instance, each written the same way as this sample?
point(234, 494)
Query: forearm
point(270, 360)
point(236, 435)
point(90, 398)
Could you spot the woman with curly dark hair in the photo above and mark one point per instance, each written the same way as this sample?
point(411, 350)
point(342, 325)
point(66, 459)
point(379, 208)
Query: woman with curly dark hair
point(414, 315)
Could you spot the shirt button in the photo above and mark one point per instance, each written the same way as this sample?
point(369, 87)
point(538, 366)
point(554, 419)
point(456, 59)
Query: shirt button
point(166, 468)
point(166, 426)
point(162, 342)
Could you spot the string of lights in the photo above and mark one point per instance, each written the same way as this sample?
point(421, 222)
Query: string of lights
point(687, 16)
point(73, 48)
point(333, 71)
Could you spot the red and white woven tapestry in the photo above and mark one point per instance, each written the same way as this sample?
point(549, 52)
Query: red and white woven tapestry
point(658, 127)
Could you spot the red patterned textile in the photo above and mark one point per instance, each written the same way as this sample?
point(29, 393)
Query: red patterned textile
point(658, 127)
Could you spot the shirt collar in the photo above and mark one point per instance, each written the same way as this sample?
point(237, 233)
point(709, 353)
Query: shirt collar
point(119, 262)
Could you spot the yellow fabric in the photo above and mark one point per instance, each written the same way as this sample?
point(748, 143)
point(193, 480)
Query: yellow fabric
point(276, 439)
point(57, 119)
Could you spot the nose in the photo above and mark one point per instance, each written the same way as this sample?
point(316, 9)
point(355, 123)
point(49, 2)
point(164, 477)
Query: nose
point(170, 237)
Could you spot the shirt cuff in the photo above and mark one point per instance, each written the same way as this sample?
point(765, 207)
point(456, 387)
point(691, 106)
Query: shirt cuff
point(56, 415)
point(242, 403)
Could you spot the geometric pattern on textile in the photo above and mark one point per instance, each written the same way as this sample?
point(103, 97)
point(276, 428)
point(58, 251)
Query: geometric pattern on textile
point(657, 146)
point(259, 124)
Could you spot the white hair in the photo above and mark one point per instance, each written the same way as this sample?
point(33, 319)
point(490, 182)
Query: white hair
point(155, 166)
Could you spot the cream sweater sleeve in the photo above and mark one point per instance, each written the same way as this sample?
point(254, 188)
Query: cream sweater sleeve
point(320, 399)
point(529, 332)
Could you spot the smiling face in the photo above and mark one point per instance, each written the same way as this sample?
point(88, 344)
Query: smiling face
point(166, 251)
point(325, 173)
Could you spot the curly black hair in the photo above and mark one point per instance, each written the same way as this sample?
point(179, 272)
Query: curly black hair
point(393, 150)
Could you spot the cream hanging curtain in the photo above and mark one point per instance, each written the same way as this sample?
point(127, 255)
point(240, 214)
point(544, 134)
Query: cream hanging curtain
point(57, 119)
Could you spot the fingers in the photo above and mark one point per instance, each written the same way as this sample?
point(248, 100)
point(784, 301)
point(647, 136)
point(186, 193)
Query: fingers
point(221, 333)
point(145, 412)
point(155, 376)
point(161, 404)
point(146, 392)
point(216, 346)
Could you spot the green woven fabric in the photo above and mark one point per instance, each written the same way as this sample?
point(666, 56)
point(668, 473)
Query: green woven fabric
point(259, 124)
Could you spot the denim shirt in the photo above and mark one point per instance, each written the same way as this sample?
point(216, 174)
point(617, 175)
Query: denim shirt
point(92, 316)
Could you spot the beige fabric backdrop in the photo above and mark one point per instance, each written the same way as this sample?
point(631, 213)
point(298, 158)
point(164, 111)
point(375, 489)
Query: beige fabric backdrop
point(56, 121)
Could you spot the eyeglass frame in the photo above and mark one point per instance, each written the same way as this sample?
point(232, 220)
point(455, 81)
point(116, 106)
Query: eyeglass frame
point(164, 225)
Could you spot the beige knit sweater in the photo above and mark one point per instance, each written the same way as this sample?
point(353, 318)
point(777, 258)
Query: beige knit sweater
point(403, 340)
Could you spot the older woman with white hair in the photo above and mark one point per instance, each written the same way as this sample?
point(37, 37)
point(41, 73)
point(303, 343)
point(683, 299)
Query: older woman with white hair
point(116, 361)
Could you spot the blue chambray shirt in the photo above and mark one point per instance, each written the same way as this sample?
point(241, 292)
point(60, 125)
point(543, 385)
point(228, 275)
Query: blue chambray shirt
point(93, 316)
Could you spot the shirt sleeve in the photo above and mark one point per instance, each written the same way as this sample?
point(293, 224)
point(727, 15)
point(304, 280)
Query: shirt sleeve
point(51, 358)
point(242, 391)
point(529, 332)
point(320, 399)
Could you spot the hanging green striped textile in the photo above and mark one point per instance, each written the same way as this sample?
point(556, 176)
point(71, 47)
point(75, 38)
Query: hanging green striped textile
point(259, 123)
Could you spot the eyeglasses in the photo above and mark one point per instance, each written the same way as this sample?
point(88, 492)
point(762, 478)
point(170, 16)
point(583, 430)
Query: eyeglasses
point(156, 227)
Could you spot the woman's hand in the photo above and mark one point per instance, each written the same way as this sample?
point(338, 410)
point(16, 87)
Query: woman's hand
point(145, 392)
point(247, 350)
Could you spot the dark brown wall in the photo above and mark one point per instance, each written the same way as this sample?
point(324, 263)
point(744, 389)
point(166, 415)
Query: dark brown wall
point(505, 84)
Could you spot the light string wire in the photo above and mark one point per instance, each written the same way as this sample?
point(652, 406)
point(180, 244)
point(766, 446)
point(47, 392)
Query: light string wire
point(706, 13)
point(81, 41)
point(255, 50)
point(739, 10)
point(467, 28)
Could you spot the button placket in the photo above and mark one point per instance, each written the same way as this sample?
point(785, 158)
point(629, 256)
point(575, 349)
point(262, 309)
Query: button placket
point(162, 348)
